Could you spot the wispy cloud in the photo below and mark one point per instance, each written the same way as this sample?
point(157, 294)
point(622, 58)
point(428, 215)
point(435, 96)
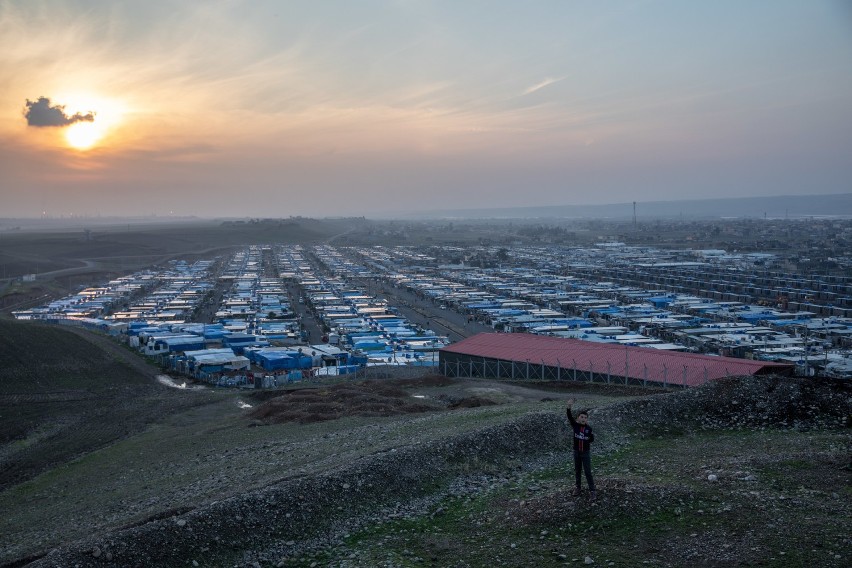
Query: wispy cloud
point(332, 90)
point(542, 84)
point(267, 91)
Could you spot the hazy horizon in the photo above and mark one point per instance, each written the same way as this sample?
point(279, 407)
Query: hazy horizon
point(792, 208)
point(264, 109)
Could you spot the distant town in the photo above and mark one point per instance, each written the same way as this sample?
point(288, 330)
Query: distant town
point(268, 314)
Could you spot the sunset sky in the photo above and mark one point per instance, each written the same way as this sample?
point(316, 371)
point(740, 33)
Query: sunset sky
point(370, 107)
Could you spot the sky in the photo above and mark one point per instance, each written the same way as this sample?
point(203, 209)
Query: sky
point(377, 107)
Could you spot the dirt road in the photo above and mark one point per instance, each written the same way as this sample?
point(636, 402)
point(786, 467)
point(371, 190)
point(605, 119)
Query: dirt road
point(427, 313)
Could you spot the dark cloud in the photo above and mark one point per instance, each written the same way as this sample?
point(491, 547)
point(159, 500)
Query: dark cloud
point(41, 113)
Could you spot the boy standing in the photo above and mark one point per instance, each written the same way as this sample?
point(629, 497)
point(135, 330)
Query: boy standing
point(583, 438)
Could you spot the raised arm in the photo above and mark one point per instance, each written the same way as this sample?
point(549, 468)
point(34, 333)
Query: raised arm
point(571, 402)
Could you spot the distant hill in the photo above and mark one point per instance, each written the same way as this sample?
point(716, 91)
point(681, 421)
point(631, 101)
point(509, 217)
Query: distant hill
point(40, 246)
point(776, 207)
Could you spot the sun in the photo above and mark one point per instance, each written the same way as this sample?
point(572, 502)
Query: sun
point(85, 135)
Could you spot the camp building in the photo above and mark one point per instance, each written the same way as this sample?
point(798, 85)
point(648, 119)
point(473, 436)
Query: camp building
point(527, 356)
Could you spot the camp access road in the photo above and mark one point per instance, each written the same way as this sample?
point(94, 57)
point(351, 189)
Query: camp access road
point(426, 312)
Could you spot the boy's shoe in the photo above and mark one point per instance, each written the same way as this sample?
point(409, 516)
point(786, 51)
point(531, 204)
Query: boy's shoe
point(576, 492)
point(593, 496)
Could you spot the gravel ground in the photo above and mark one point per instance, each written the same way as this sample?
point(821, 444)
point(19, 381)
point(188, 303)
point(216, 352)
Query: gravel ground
point(725, 475)
point(192, 458)
point(699, 491)
point(295, 509)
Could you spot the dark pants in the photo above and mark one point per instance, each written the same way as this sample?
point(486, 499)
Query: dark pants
point(583, 460)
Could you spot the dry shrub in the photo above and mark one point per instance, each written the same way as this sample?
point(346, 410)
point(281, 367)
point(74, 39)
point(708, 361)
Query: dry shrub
point(368, 398)
point(374, 407)
point(425, 382)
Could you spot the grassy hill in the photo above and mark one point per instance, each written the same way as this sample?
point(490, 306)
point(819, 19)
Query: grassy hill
point(66, 392)
point(41, 359)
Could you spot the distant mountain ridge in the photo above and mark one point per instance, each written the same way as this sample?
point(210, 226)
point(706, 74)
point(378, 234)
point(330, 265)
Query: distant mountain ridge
point(776, 207)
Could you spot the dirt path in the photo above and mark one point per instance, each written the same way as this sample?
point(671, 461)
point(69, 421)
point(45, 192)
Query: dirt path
point(87, 266)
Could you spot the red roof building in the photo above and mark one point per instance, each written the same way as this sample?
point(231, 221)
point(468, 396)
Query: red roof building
point(522, 355)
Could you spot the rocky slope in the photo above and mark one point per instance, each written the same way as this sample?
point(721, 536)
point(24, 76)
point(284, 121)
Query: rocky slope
point(680, 476)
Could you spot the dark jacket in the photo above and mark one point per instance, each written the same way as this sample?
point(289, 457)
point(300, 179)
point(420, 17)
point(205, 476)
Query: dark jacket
point(583, 435)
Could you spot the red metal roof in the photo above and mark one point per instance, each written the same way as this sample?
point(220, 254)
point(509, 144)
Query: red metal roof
point(601, 358)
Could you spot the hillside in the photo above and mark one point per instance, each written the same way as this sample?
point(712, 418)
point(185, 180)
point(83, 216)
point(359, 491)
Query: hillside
point(683, 482)
point(65, 392)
